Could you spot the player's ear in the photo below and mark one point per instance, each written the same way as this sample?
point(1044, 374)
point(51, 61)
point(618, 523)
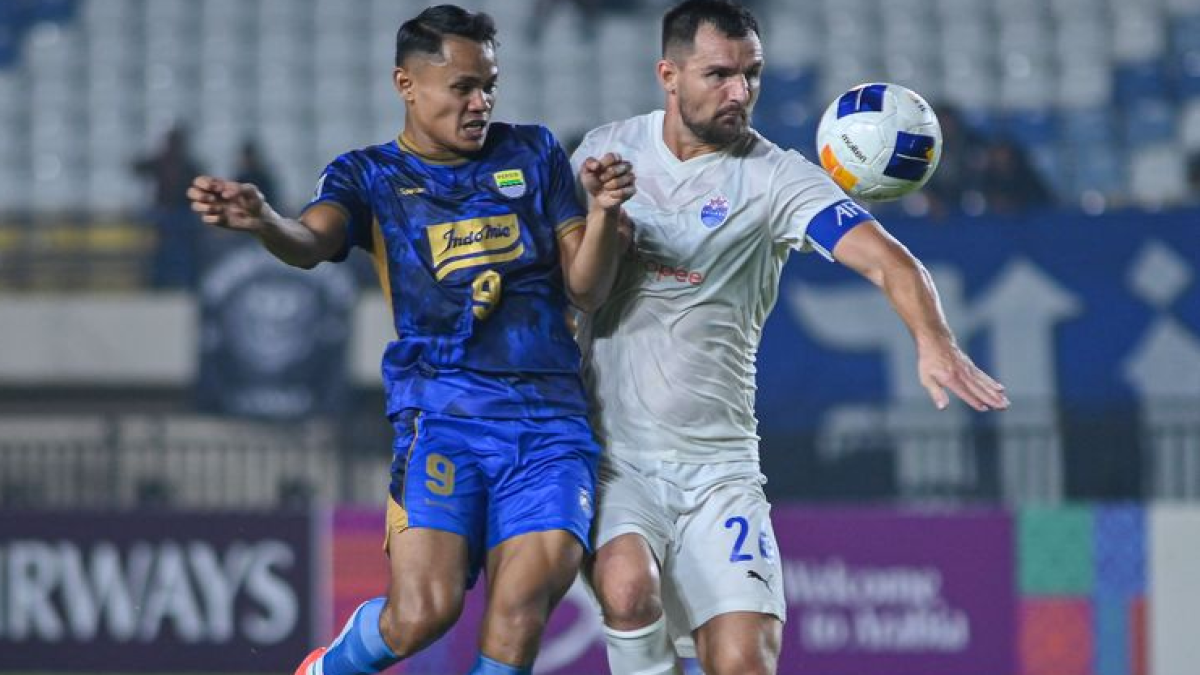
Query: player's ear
point(403, 81)
point(668, 73)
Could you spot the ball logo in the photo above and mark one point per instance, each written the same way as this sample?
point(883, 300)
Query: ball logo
point(714, 212)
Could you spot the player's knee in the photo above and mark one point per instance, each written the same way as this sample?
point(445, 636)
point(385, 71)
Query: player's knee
point(630, 602)
point(525, 622)
point(739, 661)
point(417, 621)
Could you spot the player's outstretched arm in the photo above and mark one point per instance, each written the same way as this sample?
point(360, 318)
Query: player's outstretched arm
point(941, 364)
point(315, 237)
point(590, 258)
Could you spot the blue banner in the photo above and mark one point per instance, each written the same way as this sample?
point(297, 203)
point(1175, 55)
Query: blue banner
point(1093, 313)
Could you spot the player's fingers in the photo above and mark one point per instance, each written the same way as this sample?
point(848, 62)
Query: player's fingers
point(962, 388)
point(197, 194)
point(230, 190)
point(618, 182)
point(213, 219)
point(618, 169)
point(988, 390)
point(203, 182)
point(937, 394)
point(610, 158)
point(204, 209)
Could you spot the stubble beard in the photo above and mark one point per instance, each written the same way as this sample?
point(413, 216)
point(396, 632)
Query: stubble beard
point(714, 131)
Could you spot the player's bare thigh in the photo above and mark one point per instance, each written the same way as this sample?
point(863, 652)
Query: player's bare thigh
point(425, 595)
point(527, 576)
point(739, 643)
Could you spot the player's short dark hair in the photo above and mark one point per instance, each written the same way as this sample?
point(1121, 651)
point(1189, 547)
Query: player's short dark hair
point(680, 23)
point(423, 34)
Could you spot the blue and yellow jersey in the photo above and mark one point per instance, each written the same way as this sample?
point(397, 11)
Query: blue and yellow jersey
point(467, 254)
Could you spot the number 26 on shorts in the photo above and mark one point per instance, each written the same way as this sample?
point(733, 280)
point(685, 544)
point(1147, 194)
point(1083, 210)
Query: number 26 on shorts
point(743, 528)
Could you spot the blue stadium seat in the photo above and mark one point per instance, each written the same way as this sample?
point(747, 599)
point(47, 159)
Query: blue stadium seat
point(10, 44)
point(1087, 127)
point(1149, 121)
point(1030, 128)
point(1146, 79)
point(1185, 33)
point(1100, 168)
point(52, 10)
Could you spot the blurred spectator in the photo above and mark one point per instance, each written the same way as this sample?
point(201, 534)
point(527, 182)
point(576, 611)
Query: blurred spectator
point(959, 169)
point(1009, 182)
point(1193, 178)
point(172, 168)
point(252, 169)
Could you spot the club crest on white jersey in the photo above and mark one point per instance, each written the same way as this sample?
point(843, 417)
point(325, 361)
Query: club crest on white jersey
point(714, 212)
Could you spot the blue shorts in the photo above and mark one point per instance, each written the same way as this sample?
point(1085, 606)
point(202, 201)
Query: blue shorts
point(492, 479)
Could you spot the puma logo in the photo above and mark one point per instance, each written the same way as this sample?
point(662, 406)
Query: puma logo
point(751, 574)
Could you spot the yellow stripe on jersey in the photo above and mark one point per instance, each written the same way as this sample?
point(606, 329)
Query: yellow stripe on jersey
point(476, 241)
point(568, 226)
point(446, 159)
point(397, 514)
point(475, 261)
point(379, 258)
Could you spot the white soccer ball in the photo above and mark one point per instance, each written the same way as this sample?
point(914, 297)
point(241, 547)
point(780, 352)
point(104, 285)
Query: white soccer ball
point(879, 141)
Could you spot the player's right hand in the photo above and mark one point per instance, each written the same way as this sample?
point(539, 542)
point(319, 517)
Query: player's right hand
point(228, 204)
point(609, 181)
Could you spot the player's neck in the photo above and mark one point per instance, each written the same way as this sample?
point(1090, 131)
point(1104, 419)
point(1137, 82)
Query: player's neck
point(682, 142)
point(420, 145)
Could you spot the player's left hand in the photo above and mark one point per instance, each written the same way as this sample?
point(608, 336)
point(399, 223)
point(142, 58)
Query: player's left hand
point(609, 181)
point(947, 367)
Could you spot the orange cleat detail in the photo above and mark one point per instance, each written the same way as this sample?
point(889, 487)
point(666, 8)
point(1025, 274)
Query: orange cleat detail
point(310, 664)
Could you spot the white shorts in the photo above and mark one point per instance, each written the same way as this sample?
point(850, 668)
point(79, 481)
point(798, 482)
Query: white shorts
point(709, 526)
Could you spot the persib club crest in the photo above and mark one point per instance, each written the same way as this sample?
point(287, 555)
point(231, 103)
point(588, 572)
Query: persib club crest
point(714, 212)
point(510, 183)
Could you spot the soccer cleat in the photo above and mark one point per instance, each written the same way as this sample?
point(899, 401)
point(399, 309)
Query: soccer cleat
point(311, 665)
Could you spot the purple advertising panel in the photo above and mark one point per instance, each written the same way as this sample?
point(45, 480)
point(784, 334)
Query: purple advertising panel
point(885, 592)
point(167, 591)
point(870, 592)
point(573, 643)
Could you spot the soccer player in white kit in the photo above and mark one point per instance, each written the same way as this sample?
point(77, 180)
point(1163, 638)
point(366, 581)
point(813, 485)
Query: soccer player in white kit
point(685, 547)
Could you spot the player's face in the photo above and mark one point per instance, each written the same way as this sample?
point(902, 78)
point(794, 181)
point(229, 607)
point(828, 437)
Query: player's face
point(449, 97)
point(717, 85)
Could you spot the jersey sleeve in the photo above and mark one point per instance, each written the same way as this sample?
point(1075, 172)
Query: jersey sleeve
point(563, 204)
point(343, 187)
point(809, 212)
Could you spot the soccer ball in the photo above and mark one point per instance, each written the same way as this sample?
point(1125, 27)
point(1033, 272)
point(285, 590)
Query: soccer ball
point(879, 141)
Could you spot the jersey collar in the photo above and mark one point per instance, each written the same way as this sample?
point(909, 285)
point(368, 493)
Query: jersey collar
point(676, 166)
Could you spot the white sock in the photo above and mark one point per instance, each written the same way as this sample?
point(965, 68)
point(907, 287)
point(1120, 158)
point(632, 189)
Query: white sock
point(641, 651)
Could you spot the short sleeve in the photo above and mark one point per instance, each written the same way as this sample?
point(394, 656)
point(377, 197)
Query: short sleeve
point(808, 210)
point(342, 185)
point(562, 203)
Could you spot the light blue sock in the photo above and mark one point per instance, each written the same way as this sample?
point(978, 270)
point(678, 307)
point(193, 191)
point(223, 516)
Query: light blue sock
point(360, 649)
point(486, 666)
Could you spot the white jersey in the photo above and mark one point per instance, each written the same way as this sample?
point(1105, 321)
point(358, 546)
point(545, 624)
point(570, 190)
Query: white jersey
point(669, 359)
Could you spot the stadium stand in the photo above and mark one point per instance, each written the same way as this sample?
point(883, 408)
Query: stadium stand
point(1103, 96)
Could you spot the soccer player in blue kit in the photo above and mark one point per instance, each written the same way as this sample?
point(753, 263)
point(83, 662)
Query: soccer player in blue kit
point(479, 242)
